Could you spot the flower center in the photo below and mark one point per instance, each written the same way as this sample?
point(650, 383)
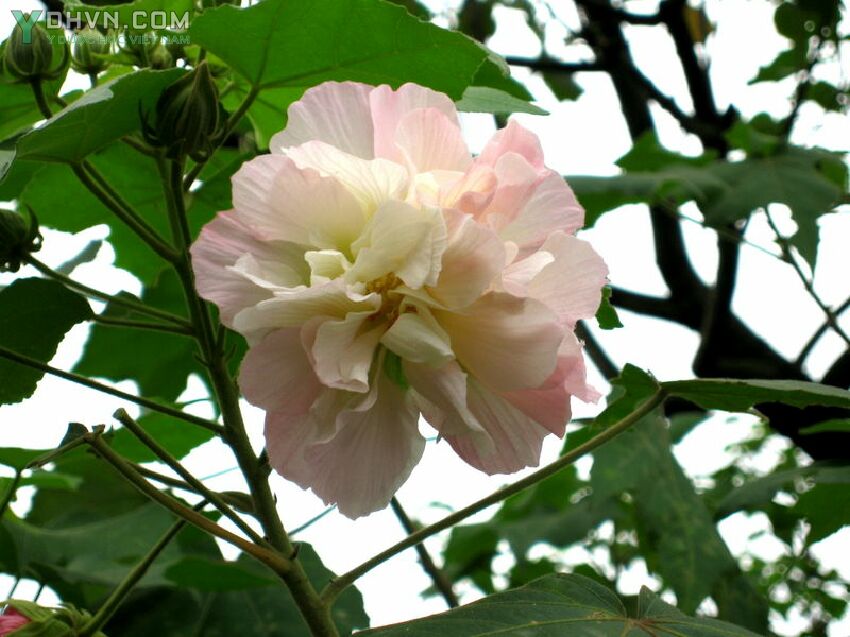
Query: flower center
point(390, 302)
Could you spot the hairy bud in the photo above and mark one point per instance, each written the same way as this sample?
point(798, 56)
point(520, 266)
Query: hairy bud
point(28, 54)
point(19, 238)
point(189, 117)
point(90, 45)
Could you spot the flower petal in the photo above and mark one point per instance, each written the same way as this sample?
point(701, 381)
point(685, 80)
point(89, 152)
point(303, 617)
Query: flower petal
point(572, 283)
point(220, 245)
point(506, 342)
point(513, 138)
point(276, 374)
point(515, 438)
point(474, 256)
point(390, 106)
point(403, 240)
point(282, 201)
point(418, 338)
point(337, 113)
point(343, 350)
point(364, 464)
point(428, 140)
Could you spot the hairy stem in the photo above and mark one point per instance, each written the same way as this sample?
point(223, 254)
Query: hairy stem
point(339, 584)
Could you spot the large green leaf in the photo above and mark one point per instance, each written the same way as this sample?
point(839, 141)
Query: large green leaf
point(101, 116)
point(103, 14)
point(558, 605)
point(35, 314)
point(294, 43)
point(729, 394)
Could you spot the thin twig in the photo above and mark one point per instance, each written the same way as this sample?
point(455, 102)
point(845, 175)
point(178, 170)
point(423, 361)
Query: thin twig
point(810, 344)
point(339, 584)
point(103, 319)
point(550, 65)
point(106, 389)
point(441, 581)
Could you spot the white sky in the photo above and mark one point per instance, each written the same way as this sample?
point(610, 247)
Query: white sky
point(583, 137)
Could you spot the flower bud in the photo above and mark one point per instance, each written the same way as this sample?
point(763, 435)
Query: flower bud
point(139, 47)
point(89, 47)
point(19, 237)
point(160, 58)
point(28, 619)
point(189, 117)
point(11, 620)
point(28, 53)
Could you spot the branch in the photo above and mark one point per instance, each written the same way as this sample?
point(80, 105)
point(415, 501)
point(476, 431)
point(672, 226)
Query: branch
point(278, 563)
point(549, 65)
point(659, 307)
point(109, 298)
point(441, 581)
point(106, 389)
point(336, 586)
point(598, 355)
point(809, 346)
point(102, 319)
point(146, 439)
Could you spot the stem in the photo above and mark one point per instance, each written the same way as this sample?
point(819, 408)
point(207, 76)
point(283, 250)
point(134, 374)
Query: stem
point(10, 493)
point(231, 123)
point(134, 306)
point(808, 284)
point(441, 581)
point(146, 439)
point(336, 586)
point(234, 499)
point(105, 612)
point(141, 325)
point(106, 389)
point(272, 559)
point(95, 183)
point(40, 99)
point(315, 612)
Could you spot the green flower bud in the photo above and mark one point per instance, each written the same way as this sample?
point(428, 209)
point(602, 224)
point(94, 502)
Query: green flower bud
point(65, 621)
point(19, 237)
point(89, 46)
point(160, 58)
point(28, 53)
point(189, 117)
point(139, 47)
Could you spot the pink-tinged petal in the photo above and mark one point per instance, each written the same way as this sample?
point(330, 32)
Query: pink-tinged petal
point(266, 273)
point(282, 201)
point(418, 338)
point(343, 351)
point(572, 283)
point(276, 374)
point(472, 192)
point(428, 140)
point(220, 245)
point(296, 306)
point(518, 275)
point(336, 113)
point(390, 106)
point(400, 239)
point(372, 454)
point(508, 343)
point(513, 138)
point(515, 438)
point(11, 620)
point(473, 258)
point(440, 394)
point(550, 207)
point(371, 181)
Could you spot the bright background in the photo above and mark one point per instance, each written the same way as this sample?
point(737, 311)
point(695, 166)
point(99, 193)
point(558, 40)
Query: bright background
point(582, 137)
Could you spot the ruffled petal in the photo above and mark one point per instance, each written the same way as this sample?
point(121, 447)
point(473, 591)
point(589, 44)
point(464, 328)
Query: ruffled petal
point(513, 138)
point(296, 306)
point(372, 454)
point(400, 239)
point(516, 439)
point(418, 338)
point(343, 350)
point(572, 283)
point(371, 181)
point(276, 374)
point(282, 201)
point(336, 113)
point(390, 106)
point(506, 342)
point(474, 256)
point(428, 140)
point(220, 245)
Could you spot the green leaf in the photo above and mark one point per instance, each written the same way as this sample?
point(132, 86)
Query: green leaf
point(563, 85)
point(296, 44)
point(558, 605)
point(19, 458)
point(786, 63)
point(729, 394)
point(35, 315)
point(205, 574)
point(103, 115)
point(826, 508)
point(175, 436)
point(100, 13)
point(606, 315)
point(158, 361)
point(483, 99)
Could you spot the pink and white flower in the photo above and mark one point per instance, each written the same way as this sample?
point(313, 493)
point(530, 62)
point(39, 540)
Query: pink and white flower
point(379, 272)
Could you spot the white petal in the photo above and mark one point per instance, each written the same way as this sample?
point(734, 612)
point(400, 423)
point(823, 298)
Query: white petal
point(428, 140)
point(418, 338)
point(344, 349)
